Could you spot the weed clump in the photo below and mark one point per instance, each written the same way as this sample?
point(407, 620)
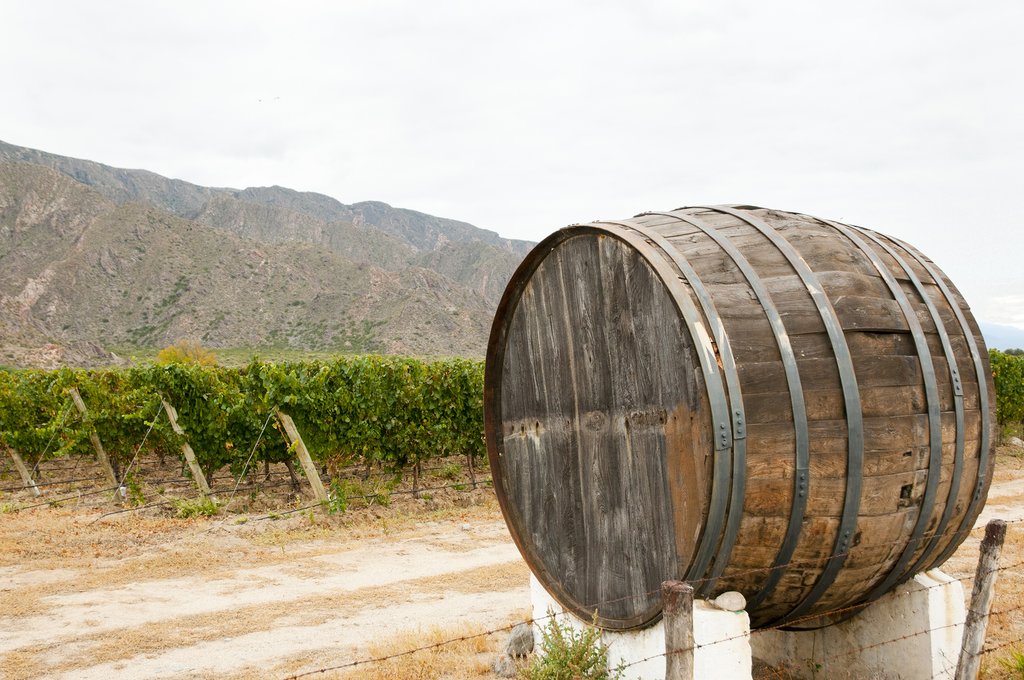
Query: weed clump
point(570, 654)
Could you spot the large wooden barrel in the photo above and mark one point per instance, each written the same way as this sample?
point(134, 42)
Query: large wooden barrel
point(746, 399)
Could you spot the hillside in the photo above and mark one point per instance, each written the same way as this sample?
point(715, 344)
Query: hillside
point(93, 256)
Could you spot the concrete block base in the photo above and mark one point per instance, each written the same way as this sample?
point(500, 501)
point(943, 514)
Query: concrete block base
point(722, 639)
point(888, 640)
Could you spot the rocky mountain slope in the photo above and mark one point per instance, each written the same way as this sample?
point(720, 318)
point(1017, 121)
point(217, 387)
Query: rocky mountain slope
point(95, 256)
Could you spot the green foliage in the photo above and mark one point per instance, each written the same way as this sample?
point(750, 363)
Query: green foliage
point(1014, 663)
point(385, 412)
point(133, 490)
point(449, 471)
point(1008, 374)
point(202, 507)
point(570, 654)
point(33, 411)
point(338, 496)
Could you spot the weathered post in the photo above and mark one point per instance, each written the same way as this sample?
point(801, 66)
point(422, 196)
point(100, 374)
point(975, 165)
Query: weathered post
point(97, 445)
point(294, 438)
point(981, 600)
point(678, 622)
point(26, 476)
point(190, 455)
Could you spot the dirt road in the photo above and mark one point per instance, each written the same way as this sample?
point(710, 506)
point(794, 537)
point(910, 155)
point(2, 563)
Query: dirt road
point(218, 599)
point(156, 597)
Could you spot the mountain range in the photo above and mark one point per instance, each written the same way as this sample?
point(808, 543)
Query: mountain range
point(94, 258)
point(1002, 337)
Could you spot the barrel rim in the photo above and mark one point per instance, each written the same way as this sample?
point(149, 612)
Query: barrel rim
point(496, 347)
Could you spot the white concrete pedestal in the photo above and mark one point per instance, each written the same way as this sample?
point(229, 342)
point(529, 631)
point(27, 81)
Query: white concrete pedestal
point(911, 633)
point(868, 645)
point(722, 640)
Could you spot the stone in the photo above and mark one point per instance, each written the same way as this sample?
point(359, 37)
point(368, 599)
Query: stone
point(730, 601)
point(520, 640)
point(504, 667)
point(1015, 441)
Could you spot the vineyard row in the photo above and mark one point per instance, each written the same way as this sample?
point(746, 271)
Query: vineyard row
point(385, 412)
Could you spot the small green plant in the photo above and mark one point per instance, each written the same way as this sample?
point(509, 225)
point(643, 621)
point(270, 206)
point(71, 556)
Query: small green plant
point(570, 654)
point(1014, 663)
point(135, 496)
point(340, 490)
point(7, 508)
point(449, 471)
point(185, 508)
point(380, 493)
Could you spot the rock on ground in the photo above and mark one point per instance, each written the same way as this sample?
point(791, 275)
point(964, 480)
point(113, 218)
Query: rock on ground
point(520, 640)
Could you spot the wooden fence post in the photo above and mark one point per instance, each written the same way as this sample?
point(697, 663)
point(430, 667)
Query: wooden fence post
point(190, 455)
point(678, 625)
point(291, 433)
point(26, 476)
point(97, 445)
point(981, 600)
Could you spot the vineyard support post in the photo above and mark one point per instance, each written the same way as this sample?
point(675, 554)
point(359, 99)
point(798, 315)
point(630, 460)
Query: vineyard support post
point(97, 445)
point(190, 455)
point(294, 438)
point(26, 476)
point(981, 600)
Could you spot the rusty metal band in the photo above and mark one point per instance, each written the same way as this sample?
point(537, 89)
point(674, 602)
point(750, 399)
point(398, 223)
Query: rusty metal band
point(931, 389)
point(796, 395)
point(851, 399)
point(979, 367)
point(958, 402)
point(732, 381)
point(712, 381)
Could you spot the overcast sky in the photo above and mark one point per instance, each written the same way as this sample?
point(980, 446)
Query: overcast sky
point(522, 117)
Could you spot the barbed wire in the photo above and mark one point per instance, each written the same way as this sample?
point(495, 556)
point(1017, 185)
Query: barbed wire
point(952, 536)
point(186, 499)
point(25, 487)
point(389, 494)
point(64, 499)
point(779, 626)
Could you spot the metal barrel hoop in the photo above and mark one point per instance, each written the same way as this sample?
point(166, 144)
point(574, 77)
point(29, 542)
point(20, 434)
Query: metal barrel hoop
point(792, 372)
point(721, 338)
point(851, 399)
point(932, 397)
point(982, 381)
point(958, 400)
